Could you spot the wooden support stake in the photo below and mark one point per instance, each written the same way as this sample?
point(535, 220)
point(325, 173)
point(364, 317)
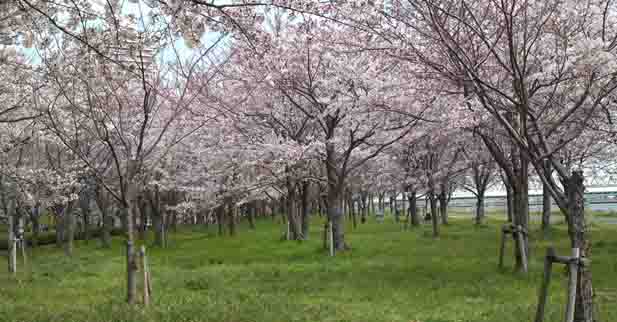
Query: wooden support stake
point(331, 237)
point(144, 264)
point(573, 265)
point(543, 295)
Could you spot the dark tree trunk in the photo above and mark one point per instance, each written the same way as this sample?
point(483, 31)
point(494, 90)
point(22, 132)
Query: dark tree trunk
point(158, 220)
point(131, 258)
point(123, 221)
point(480, 208)
point(84, 206)
point(413, 210)
point(106, 218)
point(35, 216)
point(292, 209)
point(174, 221)
point(305, 213)
point(86, 217)
point(364, 206)
point(546, 204)
point(220, 214)
point(353, 213)
point(443, 206)
point(335, 215)
point(143, 218)
point(282, 210)
point(59, 215)
point(107, 225)
point(510, 203)
point(251, 215)
point(69, 221)
point(577, 230)
point(516, 221)
point(231, 218)
point(335, 198)
point(434, 216)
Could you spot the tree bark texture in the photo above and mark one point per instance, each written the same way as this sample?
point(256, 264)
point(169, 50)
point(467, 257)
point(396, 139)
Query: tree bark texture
point(413, 210)
point(305, 213)
point(583, 311)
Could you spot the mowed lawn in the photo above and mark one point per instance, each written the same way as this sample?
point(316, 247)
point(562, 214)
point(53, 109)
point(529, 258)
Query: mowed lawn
point(389, 275)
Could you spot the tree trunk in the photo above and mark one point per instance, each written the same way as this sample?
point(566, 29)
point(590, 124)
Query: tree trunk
point(335, 198)
point(159, 227)
point(583, 311)
point(434, 216)
point(12, 255)
point(174, 221)
point(59, 225)
point(519, 203)
point(480, 208)
point(69, 223)
point(35, 218)
point(305, 213)
point(231, 218)
point(292, 209)
point(123, 221)
point(413, 210)
point(131, 261)
point(509, 203)
point(335, 215)
point(108, 222)
point(251, 214)
point(143, 218)
point(353, 213)
point(364, 206)
point(546, 204)
point(220, 214)
point(443, 206)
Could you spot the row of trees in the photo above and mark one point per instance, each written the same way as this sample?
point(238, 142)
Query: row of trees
point(293, 105)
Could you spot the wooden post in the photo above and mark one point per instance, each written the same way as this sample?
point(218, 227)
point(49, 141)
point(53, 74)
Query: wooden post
point(502, 249)
point(573, 268)
point(543, 295)
point(146, 273)
point(331, 237)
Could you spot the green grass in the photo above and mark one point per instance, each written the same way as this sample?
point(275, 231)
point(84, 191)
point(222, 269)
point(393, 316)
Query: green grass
point(389, 275)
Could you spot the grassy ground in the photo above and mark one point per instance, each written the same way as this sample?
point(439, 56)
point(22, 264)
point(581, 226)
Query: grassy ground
point(389, 275)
